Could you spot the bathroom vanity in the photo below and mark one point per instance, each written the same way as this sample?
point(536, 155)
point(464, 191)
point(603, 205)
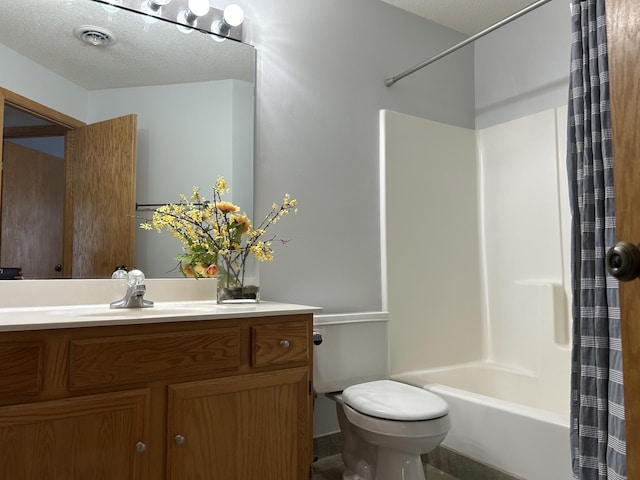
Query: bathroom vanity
point(199, 392)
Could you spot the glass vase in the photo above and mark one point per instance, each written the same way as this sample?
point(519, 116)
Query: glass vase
point(237, 278)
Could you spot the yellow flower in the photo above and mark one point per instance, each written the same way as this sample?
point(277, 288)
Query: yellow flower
point(262, 251)
point(195, 215)
point(221, 185)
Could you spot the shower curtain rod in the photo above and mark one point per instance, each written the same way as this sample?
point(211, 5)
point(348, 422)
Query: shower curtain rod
point(390, 81)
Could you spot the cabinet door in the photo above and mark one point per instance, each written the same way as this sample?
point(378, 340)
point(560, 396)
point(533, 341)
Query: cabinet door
point(92, 437)
point(248, 427)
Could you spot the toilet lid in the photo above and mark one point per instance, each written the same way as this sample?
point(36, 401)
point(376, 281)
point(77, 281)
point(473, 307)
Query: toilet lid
point(392, 400)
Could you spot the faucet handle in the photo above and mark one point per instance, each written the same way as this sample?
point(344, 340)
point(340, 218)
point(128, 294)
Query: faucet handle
point(135, 277)
point(120, 274)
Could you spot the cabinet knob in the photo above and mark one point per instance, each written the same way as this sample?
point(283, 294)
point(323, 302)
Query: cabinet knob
point(141, 447)
point(284, 344)
point(179, 439)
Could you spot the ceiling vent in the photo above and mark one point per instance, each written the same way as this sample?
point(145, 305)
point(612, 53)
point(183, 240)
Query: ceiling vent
point(95, 36)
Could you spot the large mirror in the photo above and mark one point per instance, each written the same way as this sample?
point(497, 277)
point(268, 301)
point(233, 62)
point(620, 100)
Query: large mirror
point(192, 95)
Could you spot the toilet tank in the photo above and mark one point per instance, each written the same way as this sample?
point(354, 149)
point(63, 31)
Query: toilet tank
point(354, 349)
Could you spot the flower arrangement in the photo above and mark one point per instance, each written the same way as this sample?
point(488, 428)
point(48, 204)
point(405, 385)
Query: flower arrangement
point(217, 239)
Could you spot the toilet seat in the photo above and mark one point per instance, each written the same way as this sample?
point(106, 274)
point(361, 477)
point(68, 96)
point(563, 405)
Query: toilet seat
point(390, 400)
point(400, 429)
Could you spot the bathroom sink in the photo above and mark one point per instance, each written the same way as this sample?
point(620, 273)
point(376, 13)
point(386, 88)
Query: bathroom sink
point(158, 310)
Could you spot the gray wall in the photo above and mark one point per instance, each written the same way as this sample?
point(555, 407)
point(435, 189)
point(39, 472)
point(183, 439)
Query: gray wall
point(523, 67)
point(320, 86)
point(321, 67)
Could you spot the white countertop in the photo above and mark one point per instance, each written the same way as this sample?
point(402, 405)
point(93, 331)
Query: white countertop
point(74, 316)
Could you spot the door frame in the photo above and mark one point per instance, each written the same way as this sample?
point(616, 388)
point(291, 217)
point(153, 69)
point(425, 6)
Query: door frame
point(64, 125)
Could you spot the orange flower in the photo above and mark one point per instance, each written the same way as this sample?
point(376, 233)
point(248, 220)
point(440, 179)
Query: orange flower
point(208, 271)
point(227, 207)
point(212, 270)
point(187, 270)
point(242, 220)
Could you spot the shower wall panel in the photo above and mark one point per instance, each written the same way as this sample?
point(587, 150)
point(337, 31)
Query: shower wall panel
point(429, 181)
point(525, 240)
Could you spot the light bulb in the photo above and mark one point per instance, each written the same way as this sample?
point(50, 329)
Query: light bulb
point(198, 7)
point(233, 15)
point(195, 9)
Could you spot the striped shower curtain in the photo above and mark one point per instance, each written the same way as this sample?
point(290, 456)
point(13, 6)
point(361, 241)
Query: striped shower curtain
point(597, 410)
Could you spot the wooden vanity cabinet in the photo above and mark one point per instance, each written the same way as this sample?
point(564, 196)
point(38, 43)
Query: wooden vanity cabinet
point(194, 400)
point(239, 427)
point(83, 437)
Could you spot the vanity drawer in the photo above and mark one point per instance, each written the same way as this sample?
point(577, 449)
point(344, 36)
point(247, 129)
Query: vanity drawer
point(140, 358)
point(20, 368)
point(281, 343)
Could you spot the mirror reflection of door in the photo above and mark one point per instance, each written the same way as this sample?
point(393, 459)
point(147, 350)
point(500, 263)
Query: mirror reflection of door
point(69, 207)
point(33, 195)
point(103, 176)
point(32, 211)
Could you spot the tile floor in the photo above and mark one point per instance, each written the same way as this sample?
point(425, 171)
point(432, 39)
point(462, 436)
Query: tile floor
point(330, 468)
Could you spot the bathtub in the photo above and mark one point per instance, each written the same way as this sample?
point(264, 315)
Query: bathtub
point(503, 418)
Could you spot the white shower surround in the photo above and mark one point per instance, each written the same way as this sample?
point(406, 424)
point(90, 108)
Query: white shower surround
point(490, 328)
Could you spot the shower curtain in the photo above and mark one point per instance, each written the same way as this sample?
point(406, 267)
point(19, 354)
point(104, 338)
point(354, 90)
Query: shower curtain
point(597, 410)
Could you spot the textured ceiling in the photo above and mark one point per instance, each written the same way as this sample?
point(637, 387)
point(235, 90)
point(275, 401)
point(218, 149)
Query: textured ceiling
point(145, 53)
point(465, 16)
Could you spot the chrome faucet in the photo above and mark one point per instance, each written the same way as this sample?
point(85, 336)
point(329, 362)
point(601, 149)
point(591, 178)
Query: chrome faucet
point(134, 298)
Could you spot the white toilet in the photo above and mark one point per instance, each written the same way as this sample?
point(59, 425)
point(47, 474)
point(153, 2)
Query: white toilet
point(386, 424)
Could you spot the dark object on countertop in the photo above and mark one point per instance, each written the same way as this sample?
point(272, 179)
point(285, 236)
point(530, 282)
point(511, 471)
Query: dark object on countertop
point(10, 273)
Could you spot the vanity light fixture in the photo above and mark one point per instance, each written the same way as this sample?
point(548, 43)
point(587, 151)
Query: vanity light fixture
point(232, 16)
point(188, 15)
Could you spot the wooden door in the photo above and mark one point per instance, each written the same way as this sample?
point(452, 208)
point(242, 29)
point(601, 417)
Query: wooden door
point(623, 30)
point(92, 437)
point(102, 197)
point(33, 196)
point(240, 428)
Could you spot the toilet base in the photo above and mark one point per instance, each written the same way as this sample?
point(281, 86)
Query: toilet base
point(349, 475)
point(392, 464)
